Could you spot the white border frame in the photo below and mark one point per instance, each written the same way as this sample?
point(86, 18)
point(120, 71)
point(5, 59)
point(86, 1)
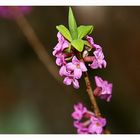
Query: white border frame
point(71, 2)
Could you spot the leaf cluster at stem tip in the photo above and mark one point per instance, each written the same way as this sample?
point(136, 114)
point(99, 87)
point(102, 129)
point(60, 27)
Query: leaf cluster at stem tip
point(75, 34)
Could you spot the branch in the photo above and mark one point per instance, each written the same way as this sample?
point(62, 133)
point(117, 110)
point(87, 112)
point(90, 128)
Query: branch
point(36, 45)
point(91, 96)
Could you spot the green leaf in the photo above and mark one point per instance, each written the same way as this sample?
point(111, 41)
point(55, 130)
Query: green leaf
point(84, 30)
point(72, 25)
point(78, 44)
point(64, 31)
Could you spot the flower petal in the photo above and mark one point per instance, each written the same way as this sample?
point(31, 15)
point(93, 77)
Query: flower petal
point(99, 54)
point(102, 121)
point(58, 61)
point(77, 73)
point(94, 64)
point(77, 115)
point(98, 81)
point(67, 81)
point(75, 60)
point(106, 88)
point(76, 84)
point(63, 71)
point(83, 67)
point(99, 130)
point(60, 37)
point(104, 63)
point(65, 45)
point(70, 66)
point(92, 128)
point(97, 46)
point(90, 40)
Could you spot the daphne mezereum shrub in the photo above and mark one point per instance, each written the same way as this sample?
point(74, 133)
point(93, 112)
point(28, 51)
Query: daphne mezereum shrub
point(75, 53)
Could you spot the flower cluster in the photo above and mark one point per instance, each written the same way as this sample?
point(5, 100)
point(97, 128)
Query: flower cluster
point(71, 68)
point(86, 122)
point(103, 89)
point(7, 11)
point(98, 61)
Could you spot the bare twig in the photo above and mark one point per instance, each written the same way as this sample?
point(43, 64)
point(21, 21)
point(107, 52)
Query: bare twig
point(36, 45)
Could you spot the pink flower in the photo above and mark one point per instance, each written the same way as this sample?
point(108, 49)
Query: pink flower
point(104, 89)
point(97, 125)
point(71, 80)
point(7, 11)
point(61, 45)
point(91, 42)
point(69, 74)
point(81, 128)
point(86, 122)
point(59, 48)
point(79, 110)
point(69, 77)
point(63, 71)
point(60, 60)
point(77, 67)
point(99, 61)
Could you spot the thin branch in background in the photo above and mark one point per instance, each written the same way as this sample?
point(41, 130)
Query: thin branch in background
point(37, 46)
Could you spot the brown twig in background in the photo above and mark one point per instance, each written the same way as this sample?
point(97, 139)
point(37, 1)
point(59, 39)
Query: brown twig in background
point(36, 45)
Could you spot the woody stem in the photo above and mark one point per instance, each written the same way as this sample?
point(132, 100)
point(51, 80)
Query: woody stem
point(93, 100)
point(91, 96)
point(89, 90)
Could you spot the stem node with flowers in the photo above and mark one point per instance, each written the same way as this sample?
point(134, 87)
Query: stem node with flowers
point(75, 53)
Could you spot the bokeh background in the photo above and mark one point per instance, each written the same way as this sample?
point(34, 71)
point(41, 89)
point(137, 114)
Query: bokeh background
point(32, 101)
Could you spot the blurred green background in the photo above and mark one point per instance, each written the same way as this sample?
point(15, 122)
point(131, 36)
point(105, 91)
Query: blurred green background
point(32, 101)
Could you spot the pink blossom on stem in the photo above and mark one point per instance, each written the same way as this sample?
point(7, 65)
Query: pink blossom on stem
point(99, 61)
point(86, 122)
point(69, 77)
point(91, 42)
point(97, 125)
point(103, 89)
point(69, 73)
point(61, 45)
point(59, 48)
point(77, 67)
point(60, 60)
point(71, 80)
point(63, 71)
point(81, 128)
point(79, 111)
